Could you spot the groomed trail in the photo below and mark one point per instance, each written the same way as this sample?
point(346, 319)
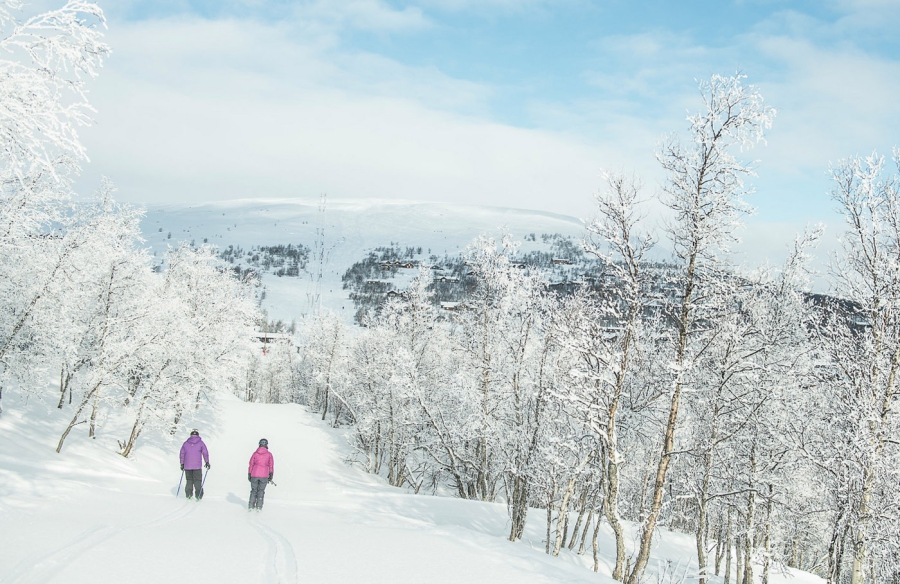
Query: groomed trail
point(89, 516)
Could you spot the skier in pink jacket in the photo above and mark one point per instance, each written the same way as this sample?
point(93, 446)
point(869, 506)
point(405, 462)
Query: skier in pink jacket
point(260, 473)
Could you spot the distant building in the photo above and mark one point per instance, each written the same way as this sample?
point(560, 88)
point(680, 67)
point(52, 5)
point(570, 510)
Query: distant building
point(396, 264)
point(266, 340)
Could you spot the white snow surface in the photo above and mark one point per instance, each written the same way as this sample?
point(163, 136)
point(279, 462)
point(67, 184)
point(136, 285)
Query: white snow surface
point(349, 228)
point(88, 515)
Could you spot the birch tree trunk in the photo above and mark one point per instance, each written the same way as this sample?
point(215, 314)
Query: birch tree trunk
point(659, 484)
point(92, 431)
point(551, 496)
point(767, 538)
point(581, 513)
point(562, 515)
point(727, 579)
point(587, 525)
point(87, 398)
point(136, 428)
point(748, 540)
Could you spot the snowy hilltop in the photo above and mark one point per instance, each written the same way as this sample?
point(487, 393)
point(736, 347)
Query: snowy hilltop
point(332, 235)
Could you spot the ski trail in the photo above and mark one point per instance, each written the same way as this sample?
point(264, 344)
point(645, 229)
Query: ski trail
point(288, 560)
point(176, 515)
point(44, 568)
point(281, 562)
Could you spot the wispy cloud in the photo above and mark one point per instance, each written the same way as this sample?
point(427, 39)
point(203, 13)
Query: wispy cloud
point(835, 102)
point(234, 109)
point(481, 6)
point(372, 15)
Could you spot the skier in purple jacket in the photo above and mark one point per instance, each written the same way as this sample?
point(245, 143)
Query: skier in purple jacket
point(193, 454)
point(260, 473)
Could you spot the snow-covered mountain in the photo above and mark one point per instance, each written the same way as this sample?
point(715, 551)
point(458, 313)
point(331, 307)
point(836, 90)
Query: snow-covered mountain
point(344, 230)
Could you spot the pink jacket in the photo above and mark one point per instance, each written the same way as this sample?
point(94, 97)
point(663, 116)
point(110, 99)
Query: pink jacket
point(262, 464)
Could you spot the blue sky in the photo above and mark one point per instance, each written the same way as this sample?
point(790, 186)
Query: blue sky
point(502, 102)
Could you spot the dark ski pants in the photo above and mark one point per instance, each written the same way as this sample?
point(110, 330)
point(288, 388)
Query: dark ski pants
point(257, 491)
point(192, 481)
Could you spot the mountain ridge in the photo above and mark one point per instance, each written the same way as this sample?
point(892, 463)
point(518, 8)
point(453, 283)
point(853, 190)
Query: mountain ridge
point(338, 234)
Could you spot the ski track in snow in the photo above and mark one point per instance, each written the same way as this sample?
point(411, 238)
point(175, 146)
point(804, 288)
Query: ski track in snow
point(45, 567)
point(281, 562)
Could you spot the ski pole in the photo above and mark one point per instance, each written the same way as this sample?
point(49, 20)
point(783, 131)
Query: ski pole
point(206, 474)
point(178, 490)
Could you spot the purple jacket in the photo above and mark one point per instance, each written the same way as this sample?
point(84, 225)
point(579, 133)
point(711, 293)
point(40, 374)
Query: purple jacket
point(262, 464)
point(191, 452)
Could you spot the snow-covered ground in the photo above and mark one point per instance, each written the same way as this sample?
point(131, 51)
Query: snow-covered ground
point(89, 515)
point(347, 230)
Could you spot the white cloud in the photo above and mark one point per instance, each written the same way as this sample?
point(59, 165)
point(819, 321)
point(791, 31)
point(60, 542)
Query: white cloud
point(373, 15)
point(195, 109)
point(832, 103)
point(205, 110)
point(483, 5)
point(197, 56)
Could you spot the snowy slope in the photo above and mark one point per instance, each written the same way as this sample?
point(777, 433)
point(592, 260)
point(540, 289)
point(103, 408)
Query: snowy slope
point(348, 229)
point(88, 515)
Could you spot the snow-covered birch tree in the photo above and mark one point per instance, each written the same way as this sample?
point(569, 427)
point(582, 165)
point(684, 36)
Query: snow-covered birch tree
point(46, 60)
point(704, 189)
point(859, 450)
point(609, 335)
